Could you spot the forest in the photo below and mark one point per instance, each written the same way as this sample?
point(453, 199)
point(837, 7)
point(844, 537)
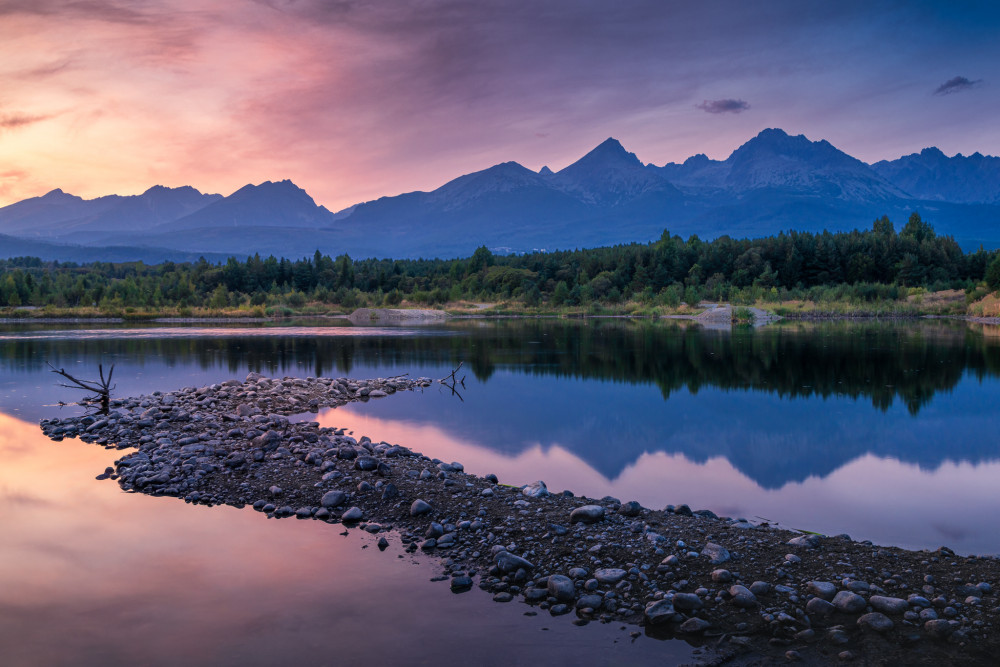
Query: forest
point(875, 265)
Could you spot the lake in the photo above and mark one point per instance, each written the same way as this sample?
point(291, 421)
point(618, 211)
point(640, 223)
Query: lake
point(882, 430)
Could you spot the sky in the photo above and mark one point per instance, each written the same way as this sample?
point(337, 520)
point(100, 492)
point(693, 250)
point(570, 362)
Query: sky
point(354, 100)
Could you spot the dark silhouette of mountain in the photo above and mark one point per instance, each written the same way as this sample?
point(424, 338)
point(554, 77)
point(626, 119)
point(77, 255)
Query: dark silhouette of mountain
point(776, 160)
point(58, 213)
point(774, 182)
point(933, 176)
point(281, 204)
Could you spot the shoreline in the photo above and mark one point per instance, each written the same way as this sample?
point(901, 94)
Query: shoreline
point(739, 589)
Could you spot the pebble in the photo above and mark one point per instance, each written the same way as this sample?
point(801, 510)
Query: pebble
point(333, 499)
point(687, 602)
point(875, 621)
point(849, 603)
point(609, 576)
point(420, 507)
point(742, 597)
point(716, 554)
point(587, 514)
point(888, 605)
point(354, 514)
point(822, 589)
point(535, 490)
point(561, 588)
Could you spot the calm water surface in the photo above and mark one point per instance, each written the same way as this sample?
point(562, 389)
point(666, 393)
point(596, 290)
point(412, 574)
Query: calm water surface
point(885, 431)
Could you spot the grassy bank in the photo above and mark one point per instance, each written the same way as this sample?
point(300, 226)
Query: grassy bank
point(915, 302)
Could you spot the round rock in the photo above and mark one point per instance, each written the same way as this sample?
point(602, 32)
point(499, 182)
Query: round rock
point(876, 622)
point(610, 576)
point(561, 588)
point(587, 514)
point(420, 507)
point(849, 603)
point(352, 515)
point(333, 499)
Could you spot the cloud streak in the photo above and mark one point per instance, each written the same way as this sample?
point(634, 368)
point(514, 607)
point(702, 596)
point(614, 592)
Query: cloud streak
point(16, 121)
point(723, 106)
point(957, 84)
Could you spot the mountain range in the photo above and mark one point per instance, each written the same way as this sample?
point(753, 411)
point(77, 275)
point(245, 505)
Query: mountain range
point(774, 182)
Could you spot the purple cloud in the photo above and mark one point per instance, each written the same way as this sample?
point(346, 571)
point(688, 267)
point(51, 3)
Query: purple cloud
point(724, 106)
point(956, 85)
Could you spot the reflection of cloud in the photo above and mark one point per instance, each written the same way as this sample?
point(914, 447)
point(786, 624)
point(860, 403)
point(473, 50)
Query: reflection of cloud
point(22, 498)
point(723, 106)
point(956, 85)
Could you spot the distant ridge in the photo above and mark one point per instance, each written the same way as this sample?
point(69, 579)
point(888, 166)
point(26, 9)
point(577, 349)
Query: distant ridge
point(774, 182)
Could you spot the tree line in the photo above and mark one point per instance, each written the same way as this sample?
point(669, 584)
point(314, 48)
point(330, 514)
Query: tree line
point(869, 265)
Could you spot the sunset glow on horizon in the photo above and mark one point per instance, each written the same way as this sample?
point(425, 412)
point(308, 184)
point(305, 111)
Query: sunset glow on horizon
point(353, 101)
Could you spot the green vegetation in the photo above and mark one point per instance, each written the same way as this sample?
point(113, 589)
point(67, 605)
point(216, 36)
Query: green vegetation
point(878, 271)
point(742, 315)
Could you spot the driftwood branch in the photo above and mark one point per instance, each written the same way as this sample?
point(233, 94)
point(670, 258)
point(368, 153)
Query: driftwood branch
point(101, 388)
point(452, 382)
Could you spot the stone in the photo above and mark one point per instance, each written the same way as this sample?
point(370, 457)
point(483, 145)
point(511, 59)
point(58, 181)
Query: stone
point(694, 626)
point(940, 628)
point(354, 514)
point(461, 583)
point(503, 597)
point(819, 607)
point(561, 588)
point(420, 507)
point(366, 463)
point(590, 602)
point(508, 562)
point(849, 603)
point(659, 612)
point(389, 491)
point(888, 605)
point(333, 498)
point(876, 621)
point(610, 576)
point(809, 541)
point(535, 490)
point(722, 576)
point(742, 597)
point(760, 588)
point(631, 509)
point(687, 602)
point(822, 589)
point(587, 514)
point(716, 554)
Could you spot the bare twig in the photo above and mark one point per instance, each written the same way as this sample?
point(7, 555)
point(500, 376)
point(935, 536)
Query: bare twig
point(102, 389)
point(450, 381)
point(451, 375)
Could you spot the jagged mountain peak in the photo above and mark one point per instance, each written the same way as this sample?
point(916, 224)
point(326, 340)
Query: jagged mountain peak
point(608, 154)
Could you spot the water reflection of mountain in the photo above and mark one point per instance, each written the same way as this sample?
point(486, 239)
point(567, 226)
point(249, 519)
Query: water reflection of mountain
point(781, 403)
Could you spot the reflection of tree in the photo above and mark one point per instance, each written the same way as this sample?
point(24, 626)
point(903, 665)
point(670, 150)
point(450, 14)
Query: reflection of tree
point(880, 361)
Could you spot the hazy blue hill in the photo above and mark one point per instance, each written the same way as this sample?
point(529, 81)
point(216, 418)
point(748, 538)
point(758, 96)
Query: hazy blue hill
point(58, 214)
point(11, 246)
point(932, 175)
point(155, 206)
point(270, 204)
point(51, 213)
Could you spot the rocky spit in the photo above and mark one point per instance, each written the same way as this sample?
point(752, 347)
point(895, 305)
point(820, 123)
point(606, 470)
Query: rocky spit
point(745, 593)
